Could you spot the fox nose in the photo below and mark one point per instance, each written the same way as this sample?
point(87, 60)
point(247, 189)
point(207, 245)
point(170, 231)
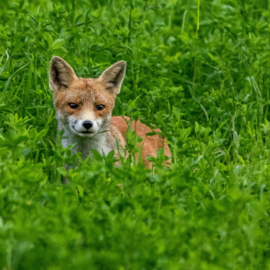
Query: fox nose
point(87, 124)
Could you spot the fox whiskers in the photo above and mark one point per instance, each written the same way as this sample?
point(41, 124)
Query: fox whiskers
point(66, 121)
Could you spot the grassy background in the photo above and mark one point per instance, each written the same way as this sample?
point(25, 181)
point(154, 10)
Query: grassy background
point(200, 71)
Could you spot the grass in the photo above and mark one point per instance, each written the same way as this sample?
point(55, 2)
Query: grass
point(198, 70)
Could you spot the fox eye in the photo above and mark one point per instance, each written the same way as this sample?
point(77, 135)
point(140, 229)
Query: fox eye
point(73, 105)
point(100, 107)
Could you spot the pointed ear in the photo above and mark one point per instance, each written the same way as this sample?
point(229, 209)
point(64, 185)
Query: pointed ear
point(61, 74)
point(113, 76)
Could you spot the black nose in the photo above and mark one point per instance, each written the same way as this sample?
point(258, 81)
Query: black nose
point(87, 124)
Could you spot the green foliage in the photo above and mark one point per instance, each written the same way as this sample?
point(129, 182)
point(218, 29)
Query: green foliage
point(199, 71)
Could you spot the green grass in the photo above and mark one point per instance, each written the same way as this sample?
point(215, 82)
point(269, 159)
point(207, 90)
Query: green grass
point(198, 70)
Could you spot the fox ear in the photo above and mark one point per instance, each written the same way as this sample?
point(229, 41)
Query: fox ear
point(113, 76)
point(61, 74)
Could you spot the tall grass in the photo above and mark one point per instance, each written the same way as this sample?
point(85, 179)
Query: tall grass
point(199, 71)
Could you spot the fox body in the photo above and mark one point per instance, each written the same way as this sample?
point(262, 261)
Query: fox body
point(84, 111)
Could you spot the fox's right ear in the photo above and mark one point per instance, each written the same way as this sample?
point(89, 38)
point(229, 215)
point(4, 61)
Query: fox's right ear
point(61, 74)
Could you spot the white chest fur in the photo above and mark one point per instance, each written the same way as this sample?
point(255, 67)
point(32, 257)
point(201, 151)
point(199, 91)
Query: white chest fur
point(85, 145)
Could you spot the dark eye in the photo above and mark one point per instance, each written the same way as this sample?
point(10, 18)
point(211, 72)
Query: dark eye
point(73, 105)
point(100, 107)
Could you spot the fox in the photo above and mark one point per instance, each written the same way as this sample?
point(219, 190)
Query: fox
point(84, 109)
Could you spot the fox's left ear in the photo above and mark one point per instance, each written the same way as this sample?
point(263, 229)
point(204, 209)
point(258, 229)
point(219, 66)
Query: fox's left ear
point(113, 76)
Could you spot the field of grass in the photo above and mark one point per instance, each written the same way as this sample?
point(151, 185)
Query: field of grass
point(200, 71)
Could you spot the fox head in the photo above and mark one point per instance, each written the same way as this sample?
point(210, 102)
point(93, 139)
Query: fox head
point(84, 106)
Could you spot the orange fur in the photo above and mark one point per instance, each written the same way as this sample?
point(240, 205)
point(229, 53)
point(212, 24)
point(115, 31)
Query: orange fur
point(150, 144)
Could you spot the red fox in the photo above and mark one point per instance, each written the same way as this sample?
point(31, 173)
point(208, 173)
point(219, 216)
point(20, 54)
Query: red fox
point(84, 111)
